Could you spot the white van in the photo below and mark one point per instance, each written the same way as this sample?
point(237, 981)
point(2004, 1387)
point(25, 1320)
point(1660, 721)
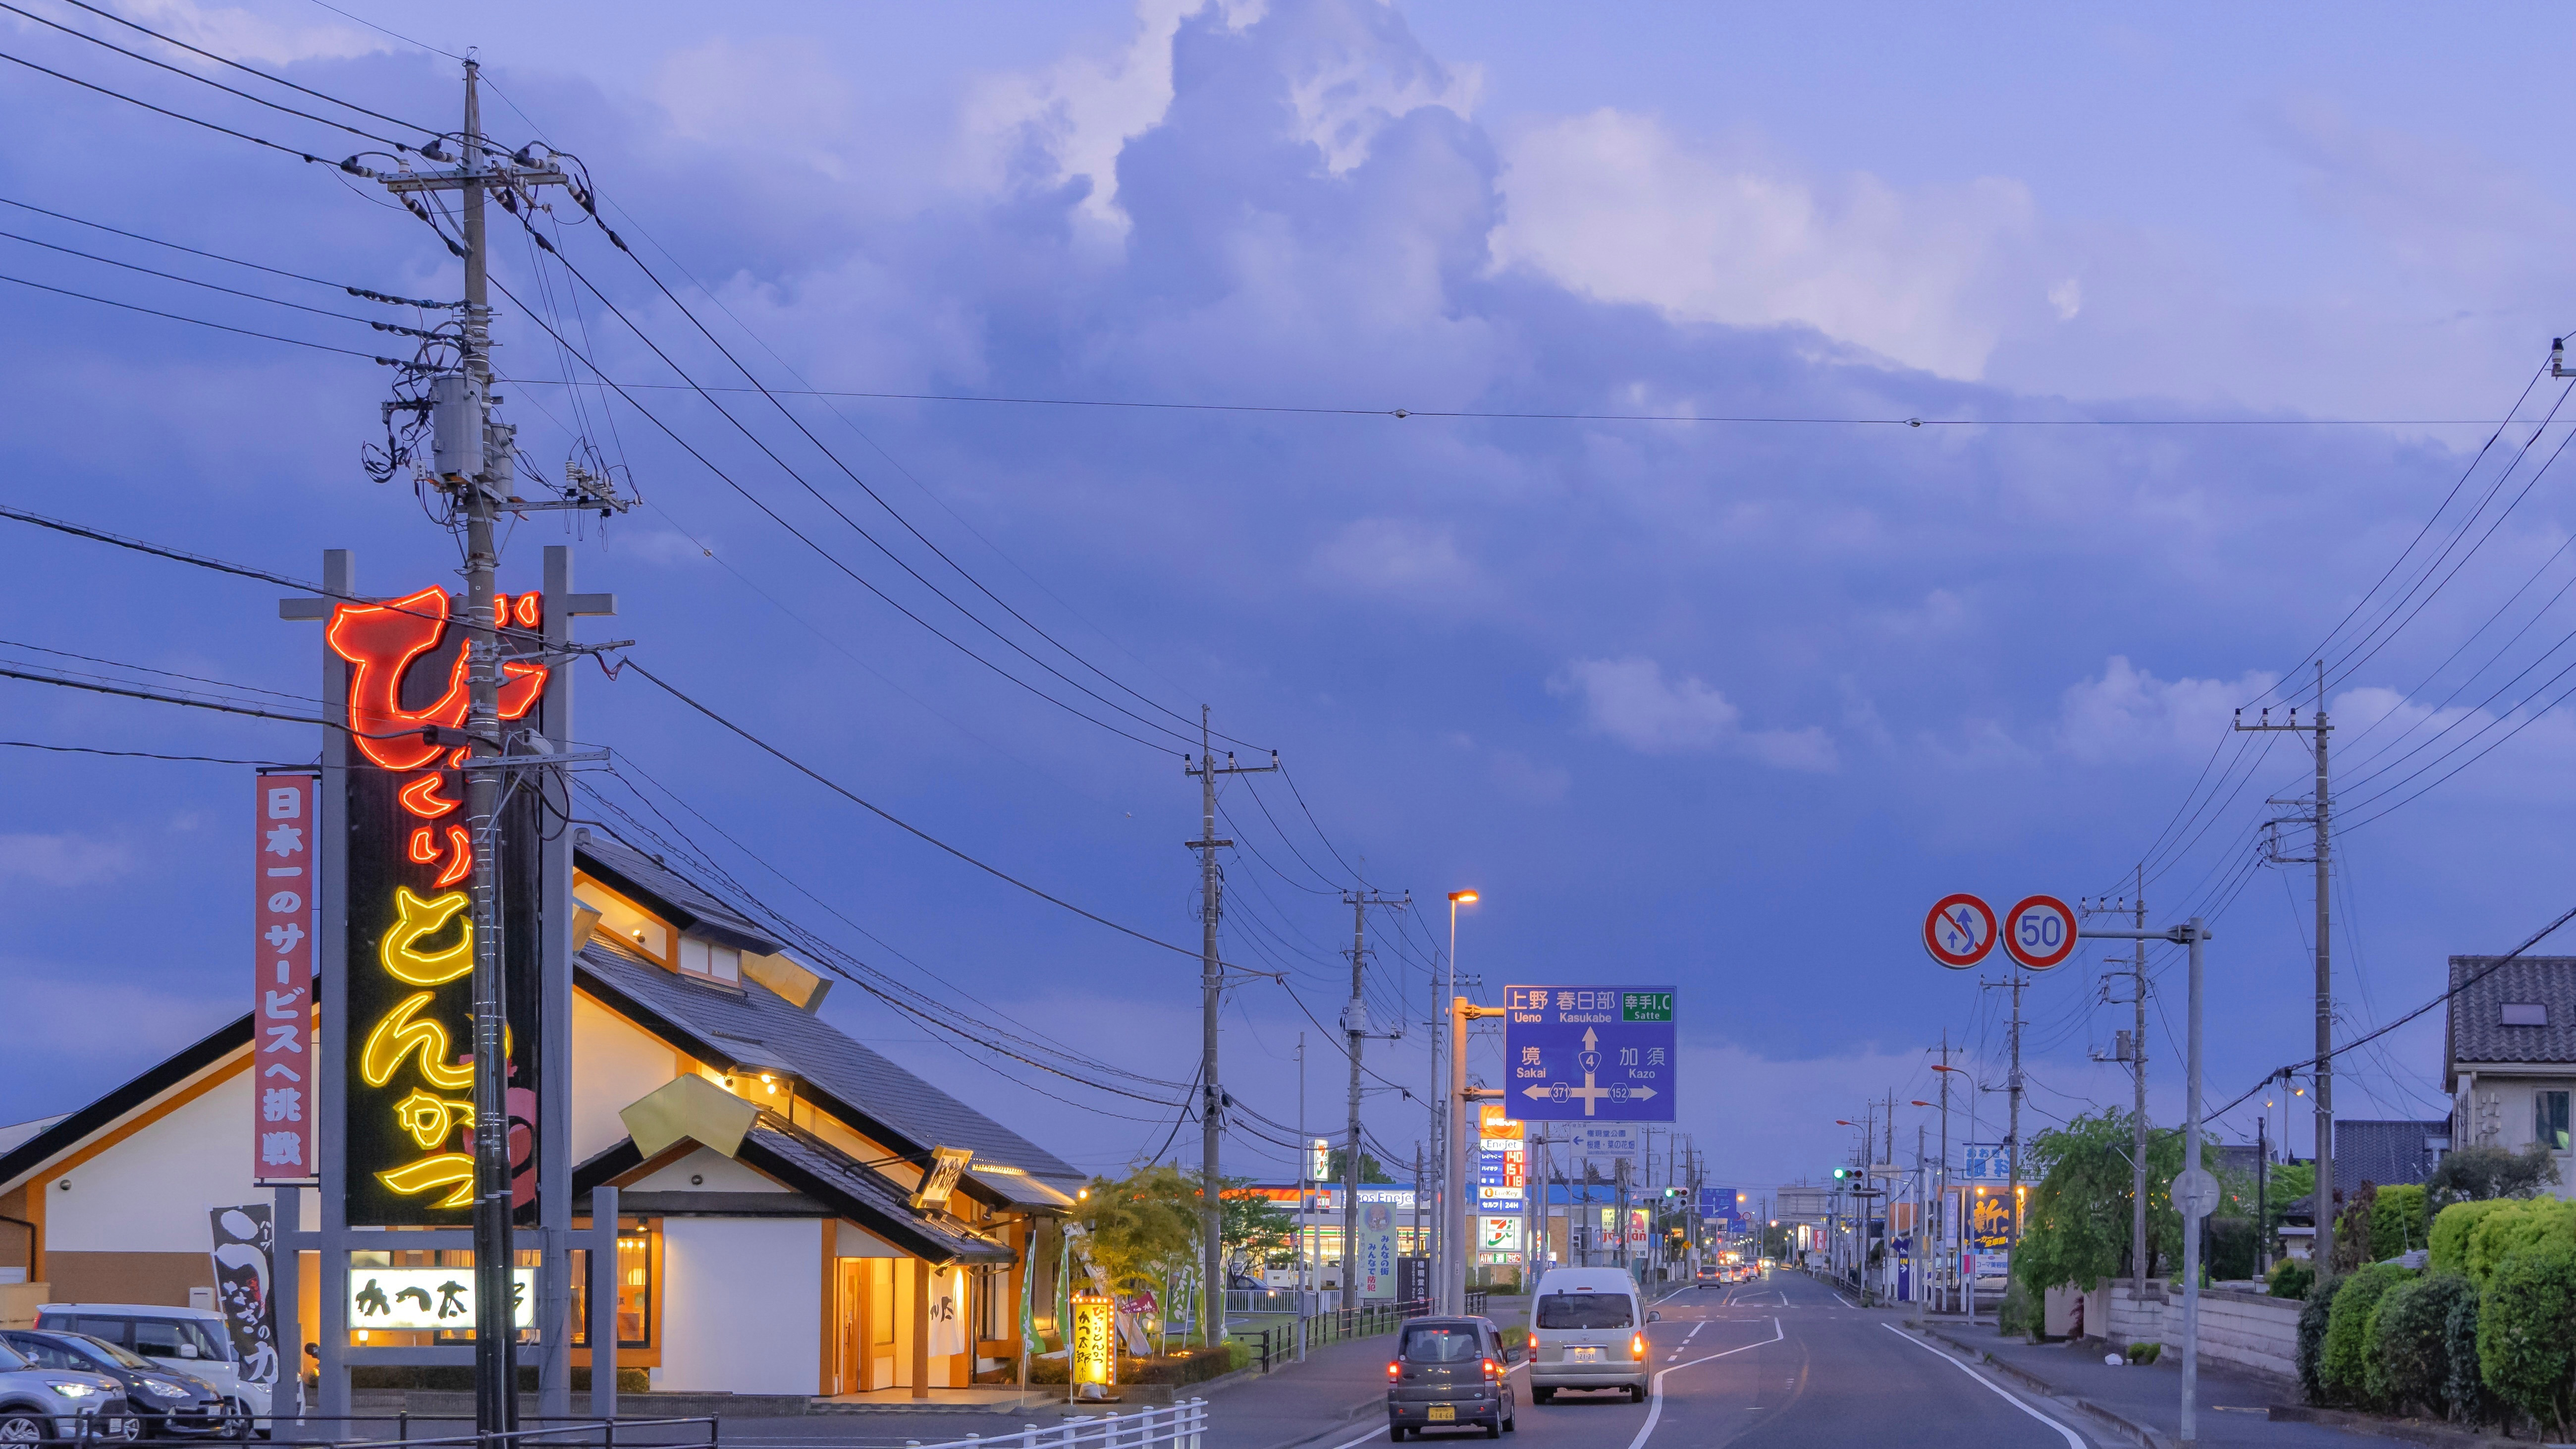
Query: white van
point(193, 1340)
point(1588, 1331)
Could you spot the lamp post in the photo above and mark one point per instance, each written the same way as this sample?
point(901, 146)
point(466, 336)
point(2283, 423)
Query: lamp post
point(1451, 1294)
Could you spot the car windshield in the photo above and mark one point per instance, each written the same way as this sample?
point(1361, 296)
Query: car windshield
point(1442, 1345)
point(112, 1353)
point(1584, 1310)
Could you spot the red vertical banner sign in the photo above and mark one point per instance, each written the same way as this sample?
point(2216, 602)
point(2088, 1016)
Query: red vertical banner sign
point(286, 810)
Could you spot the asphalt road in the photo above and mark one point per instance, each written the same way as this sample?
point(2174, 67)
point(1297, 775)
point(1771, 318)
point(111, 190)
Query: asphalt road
point(1781, 1364)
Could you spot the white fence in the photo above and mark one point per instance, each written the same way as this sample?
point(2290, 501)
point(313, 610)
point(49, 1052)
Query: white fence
point(1178, 1425)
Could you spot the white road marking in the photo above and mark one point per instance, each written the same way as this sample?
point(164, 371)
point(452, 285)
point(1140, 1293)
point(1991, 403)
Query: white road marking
point(1694, 1333)
point(2073, 1439)
point(1655, 1396)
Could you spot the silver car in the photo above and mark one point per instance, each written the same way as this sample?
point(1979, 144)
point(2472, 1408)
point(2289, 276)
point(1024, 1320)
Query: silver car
point(40, 1405)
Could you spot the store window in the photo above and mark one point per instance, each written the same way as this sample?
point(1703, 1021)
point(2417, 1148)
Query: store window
point(2549, 1119)
point(634, 1288)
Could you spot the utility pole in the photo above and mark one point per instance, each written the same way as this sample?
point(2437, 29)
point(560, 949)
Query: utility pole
point(2138, 1071)
point(1212, 993)
point(476, 465)
point(2012, 1129)
point(1355, 1027)
point(2321, 859)
point(1948, 1258)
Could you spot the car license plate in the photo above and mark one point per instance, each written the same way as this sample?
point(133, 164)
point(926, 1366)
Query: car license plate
point(1444, 1413)
point(1584, 1355)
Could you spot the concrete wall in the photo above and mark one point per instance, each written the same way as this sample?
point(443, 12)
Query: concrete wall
point(2247, 1330)
point(742, 1305)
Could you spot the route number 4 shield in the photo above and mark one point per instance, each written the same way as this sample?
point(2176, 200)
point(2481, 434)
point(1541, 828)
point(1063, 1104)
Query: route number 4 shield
point(1960, 931)
point(2039, 932)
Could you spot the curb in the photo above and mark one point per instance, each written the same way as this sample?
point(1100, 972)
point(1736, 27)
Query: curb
point(2146, 1435)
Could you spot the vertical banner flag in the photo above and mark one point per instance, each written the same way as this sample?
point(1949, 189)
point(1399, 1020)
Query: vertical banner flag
point(1377, 1247)
point(245, 1265)
point(284, 811)
point(410, 1075)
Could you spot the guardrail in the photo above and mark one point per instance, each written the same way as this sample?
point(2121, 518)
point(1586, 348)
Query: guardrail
point(1277, 1344)
point(698, 1432)
point(1179, 1425)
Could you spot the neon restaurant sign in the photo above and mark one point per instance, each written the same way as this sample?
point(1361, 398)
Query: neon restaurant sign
point(410, 1079)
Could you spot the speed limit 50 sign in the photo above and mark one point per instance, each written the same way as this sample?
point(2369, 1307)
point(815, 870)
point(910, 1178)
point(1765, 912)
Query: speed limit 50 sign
point(2039, 932)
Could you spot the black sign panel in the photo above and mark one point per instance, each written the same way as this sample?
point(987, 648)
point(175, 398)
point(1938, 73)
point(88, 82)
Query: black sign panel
point(408, 1064)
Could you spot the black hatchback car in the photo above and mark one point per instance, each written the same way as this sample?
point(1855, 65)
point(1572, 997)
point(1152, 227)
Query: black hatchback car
point(167, 1403)
point(1449, 1373)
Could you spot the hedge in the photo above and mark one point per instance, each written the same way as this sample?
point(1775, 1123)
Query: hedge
point(2342, 1366)
point(2522, 1223)
point(2397, 1221)
point(2451, 1232)
point(2313, 1317)
point(2406, 1351)
point(2465, 1390)
point(2527, 1330)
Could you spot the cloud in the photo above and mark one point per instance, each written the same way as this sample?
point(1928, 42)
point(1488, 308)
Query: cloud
point(1396, 556)
point(1523, 778)
point(1616, 207)
point(1630, 701)
point(227, 30)
point(2128, 715)
point(61, 860)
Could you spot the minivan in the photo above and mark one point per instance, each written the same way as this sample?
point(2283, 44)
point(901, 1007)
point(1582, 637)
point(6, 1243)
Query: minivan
point(1449, 1373)
point(192, 1340)
point(1588, 1331)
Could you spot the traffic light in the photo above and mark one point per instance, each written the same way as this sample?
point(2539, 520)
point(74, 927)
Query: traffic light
point(1841, 1172)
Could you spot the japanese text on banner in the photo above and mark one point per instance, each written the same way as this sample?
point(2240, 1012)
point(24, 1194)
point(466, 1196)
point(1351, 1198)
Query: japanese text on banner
point(284, 854)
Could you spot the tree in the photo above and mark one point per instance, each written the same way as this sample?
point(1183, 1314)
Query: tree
point(2476, 1174)
point(2352, 1229)
point(1336, 1160)
point(2075, 1225)
point(1138, 1228)
point(1256, 1231)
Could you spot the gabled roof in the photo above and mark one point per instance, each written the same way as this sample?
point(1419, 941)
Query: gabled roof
point(2388, 1153)
point(821, 1174)
point(69, 1130)
point(750, 1028)
point(690, 907)
point(2476, 1030)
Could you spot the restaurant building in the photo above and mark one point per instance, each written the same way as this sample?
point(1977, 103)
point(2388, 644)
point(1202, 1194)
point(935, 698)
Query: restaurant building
point(767, 1166)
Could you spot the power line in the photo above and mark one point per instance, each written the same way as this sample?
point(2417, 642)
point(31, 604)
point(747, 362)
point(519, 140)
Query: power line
point(213, 287)
point(351, 166)
point(254, 70)
point(218, 326)
point(147, 754)
point(367, 293)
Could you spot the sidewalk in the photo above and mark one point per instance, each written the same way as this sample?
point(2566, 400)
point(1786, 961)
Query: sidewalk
point(1336, 1387)
point(2145, 1401)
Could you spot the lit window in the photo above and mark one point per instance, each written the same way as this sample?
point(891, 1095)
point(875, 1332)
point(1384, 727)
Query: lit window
point(635, 928)
point(2549, 1119)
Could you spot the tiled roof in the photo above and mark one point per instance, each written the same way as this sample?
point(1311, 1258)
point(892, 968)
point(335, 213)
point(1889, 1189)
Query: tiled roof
point(2386, 1153)
point(752, 1027)
point(832, 1173)
point(637, 873)
point(2476, 1031)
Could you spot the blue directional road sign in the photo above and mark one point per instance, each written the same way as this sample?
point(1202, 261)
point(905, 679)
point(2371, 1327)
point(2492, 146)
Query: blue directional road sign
point(1717, 1205)
point(1589, 1053)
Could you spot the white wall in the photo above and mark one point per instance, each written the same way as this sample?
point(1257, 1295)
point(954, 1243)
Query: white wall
point(150, 1193)
point(742, 1305)
point(715, 1173)
point(613, 1065)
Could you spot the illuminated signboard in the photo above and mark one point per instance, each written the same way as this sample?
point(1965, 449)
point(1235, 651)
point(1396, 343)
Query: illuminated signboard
point(1095, 1343)
point(410, 1075)
point(430, 1298)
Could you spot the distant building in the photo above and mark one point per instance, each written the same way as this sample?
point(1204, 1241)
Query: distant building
point(2509, 1056)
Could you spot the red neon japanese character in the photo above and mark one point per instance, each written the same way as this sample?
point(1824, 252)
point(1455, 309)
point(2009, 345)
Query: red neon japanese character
point(384, 640)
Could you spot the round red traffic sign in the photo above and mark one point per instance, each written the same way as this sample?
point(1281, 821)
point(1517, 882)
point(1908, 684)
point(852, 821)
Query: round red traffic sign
point(2039, 932)
point(1960, 931)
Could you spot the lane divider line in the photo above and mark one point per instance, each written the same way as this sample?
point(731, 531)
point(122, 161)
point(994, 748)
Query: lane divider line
point(1655, 1395)
point(2073, 1439)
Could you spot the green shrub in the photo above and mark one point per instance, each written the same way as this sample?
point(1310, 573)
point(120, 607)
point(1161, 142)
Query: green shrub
point(2464, 1390)
point(2145, 1352)
point(2342, 1365)
point(2406, 1350)
point(2292, 1278)
point(2451, 1232)
point(2228, 1247)
point(2397, 1221)
point(2015, 1315)
point(2527, 1330)
point(2313, 1318)
point(2528, 1223)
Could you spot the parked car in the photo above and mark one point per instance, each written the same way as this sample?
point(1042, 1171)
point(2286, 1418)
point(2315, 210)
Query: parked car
point(191, 1340)
point(1448, 1373)
point(40, 1404)
point(168, 1402)
point(1587, 1331)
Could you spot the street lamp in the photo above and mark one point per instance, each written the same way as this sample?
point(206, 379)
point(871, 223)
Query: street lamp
point(1453, 1217)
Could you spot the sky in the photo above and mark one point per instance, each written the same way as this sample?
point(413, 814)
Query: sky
point(1711, 479)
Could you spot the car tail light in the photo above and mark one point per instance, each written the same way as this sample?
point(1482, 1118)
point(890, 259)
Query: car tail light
point(1490, 1370)
point(1390, 1368)
point(1636, 1345)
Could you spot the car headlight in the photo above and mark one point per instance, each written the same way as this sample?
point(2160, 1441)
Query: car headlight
point(74, 1390)
point(166, 1389)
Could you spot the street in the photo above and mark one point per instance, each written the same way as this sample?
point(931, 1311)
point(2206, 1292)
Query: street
point(1781, 1362)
